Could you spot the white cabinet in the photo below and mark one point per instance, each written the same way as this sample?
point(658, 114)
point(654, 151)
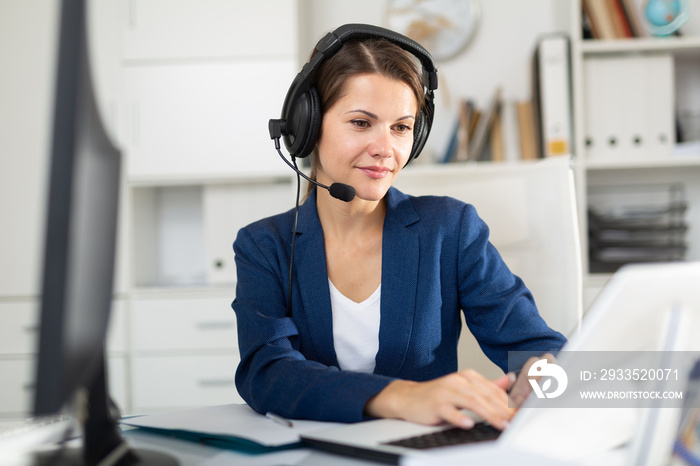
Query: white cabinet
point(188, 100)
point(183, 234)
point(229, 207)
point(200, 120)
point(18, 334)
point(18, 331)
point(16, 387)
point(181, 381)
point(180, 323)
point(18, 353)
point(202, 80)
point(207, 29)
point(668, 79)
point(184, 350)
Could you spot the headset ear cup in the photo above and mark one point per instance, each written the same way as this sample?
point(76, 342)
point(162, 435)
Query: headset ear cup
point(303, 121)
point(313, 124)
point(419, 136)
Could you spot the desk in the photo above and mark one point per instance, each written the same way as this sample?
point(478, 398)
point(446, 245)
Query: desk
point(190, 454)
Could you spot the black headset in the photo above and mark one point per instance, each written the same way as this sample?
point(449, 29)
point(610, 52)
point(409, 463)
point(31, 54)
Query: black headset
point(300, 123)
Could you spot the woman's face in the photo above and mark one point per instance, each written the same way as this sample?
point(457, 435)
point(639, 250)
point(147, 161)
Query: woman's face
point(367, 135)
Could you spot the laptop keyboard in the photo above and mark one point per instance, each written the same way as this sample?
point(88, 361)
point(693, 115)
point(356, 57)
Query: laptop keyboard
point(452, 436)
point(12, 428)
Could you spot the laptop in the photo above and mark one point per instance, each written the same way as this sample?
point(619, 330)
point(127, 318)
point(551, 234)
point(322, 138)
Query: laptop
point(639, 297)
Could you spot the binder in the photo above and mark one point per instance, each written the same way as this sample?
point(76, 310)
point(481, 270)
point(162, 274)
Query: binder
point(629, 113)
point(511, 135)
point(553, 94)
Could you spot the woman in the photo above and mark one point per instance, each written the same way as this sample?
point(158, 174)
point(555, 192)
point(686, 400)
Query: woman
point(369, 324)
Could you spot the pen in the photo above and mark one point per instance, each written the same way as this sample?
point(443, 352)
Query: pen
point(279, 420)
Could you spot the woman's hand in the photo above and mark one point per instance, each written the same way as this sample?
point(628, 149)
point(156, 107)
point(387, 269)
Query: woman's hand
point(442, 399)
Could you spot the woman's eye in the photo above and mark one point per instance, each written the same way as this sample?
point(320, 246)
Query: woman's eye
point(360, 123)
point(403, 128)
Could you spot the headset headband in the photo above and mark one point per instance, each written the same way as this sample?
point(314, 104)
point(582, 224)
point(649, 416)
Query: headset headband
point(301, 114)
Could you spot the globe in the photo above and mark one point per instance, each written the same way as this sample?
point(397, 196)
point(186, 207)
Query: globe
point(665, 16)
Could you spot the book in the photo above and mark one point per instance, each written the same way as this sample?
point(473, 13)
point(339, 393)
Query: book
point(587, 31)
point(452, 143)
point(483, 128)
point(600, 19)
point(632, 10)
point(497, 135)
point(619, 19)
point(526, 130)
point(464, 132)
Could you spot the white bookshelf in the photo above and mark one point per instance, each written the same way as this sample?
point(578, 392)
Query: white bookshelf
point(594, 172)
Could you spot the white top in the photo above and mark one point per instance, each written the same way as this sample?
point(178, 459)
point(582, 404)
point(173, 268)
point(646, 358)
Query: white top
point(355, 330)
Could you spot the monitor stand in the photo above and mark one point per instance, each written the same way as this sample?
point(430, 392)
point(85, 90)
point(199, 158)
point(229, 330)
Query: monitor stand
point(102, 443)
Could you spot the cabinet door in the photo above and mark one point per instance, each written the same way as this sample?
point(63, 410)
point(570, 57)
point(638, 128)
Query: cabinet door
point(183, 324)
point(227, 208)
point(208, 119)
point(118, 387)
point(167, 382)
point(18, 327)
point(16, 387)
point(116, 333)
point(209, 28)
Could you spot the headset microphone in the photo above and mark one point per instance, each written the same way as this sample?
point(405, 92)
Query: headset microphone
point(341, 191)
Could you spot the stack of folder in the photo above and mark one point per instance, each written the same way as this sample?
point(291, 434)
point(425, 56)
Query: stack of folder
point(233, 426)
point(634, 224)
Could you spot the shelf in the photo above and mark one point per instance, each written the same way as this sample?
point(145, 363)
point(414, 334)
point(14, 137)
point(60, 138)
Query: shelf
point(676, 45)
point(483, 167)
point(183, 291)
point(680, 162)
point(152, 181)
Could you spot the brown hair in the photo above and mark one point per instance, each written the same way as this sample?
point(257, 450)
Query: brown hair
point(367, 56)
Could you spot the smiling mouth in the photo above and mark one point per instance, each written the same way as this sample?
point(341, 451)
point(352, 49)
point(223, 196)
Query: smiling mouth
point(376, 173)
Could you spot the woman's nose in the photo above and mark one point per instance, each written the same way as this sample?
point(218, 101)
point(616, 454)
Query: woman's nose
point(381, 144)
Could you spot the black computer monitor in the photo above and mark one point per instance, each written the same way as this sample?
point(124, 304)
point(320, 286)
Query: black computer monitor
point(79, 257)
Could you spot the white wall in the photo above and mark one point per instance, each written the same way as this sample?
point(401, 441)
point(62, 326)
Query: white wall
point(27, 41)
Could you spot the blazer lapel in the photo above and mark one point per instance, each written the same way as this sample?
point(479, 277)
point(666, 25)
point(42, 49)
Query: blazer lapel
point(400, 261)
point(312, 277)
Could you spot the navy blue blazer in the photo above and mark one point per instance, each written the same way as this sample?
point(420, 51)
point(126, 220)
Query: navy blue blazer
point(437, 261)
